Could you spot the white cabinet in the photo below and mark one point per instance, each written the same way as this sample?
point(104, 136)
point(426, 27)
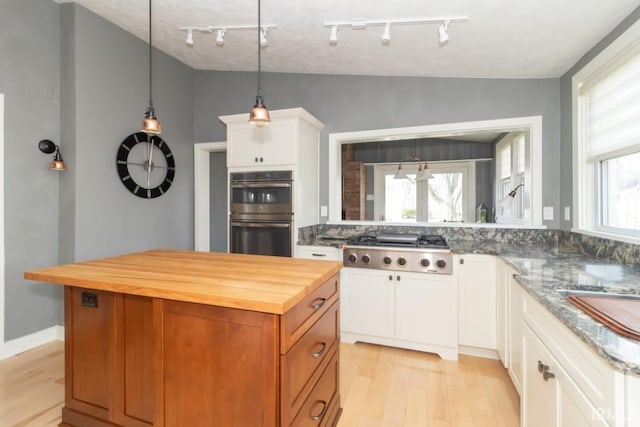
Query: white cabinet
point(477, 301)
point(409, 310)
point(514, 328)
point(502, 297)
point(318, 252)
point(551, 397)
point(290, 138)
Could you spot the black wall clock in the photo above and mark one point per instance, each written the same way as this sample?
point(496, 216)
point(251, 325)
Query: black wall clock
point(145, 165)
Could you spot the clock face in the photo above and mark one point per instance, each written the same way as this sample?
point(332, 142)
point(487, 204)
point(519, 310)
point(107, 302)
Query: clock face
point(145, 165)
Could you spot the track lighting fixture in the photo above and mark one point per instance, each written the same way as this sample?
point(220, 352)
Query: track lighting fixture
point(220, 37)
point(333, 37)
point(221, 31)
point(189, 40)
point(443, 32)
point(263, 37)
point(386, 35)
point(360, 24)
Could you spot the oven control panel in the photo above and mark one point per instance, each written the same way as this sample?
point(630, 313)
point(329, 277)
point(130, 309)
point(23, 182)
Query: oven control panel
point(438, 261)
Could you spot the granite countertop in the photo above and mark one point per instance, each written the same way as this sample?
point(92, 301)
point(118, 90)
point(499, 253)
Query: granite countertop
point(546, 270)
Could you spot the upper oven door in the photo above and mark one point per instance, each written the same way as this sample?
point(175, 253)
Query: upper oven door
point(264, 198)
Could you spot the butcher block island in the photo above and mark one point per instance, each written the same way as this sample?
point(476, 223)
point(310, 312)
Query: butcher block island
point(179, 338)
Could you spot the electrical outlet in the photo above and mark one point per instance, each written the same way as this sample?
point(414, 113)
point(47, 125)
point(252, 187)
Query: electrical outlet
point(567, 213)
point(547, 213)
point(323, 211)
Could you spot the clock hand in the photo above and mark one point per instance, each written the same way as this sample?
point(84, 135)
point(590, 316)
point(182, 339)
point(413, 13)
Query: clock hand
point(149, 163)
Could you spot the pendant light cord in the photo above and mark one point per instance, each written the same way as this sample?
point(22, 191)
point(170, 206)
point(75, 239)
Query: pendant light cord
point(259, 49)
point(150, 59)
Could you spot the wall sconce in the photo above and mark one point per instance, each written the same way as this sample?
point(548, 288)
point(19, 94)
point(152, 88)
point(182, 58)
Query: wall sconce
point(48, 147)
point(508, 199)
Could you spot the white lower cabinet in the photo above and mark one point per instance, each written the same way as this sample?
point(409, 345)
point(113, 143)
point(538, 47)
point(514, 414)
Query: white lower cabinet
point(551, 397)
point(477, 301)
point(318, 252)
point(402, 309)
point(514, 332)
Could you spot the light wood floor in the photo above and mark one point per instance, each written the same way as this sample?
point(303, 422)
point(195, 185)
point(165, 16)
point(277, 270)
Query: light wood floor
point(380, 386)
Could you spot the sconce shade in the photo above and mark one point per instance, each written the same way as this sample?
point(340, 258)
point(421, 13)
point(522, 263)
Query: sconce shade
point(57, 165)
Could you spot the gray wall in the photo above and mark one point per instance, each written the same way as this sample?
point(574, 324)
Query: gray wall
point(218, 201)
point(71, 77)
point(29, 78)
point(566, 165)
point(355, 103)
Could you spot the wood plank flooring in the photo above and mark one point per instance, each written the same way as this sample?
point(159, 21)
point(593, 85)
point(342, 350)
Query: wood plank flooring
point(380, 387)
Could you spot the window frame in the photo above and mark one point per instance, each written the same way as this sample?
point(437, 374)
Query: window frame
point(586, 189)
point(516, 177)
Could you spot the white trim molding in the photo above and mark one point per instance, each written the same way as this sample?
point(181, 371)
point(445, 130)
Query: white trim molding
point(2, 244)
point(31, 341)
point(201, 192)
point(532, 124)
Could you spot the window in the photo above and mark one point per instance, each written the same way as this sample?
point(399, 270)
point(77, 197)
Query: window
point(444, 198)
point(510, 173)
point(607, 147)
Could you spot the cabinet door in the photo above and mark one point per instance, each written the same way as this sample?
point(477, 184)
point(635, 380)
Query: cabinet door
point(477, 301)
point(279, 144)
point(367, 302)
point(502, 279)
point(515, 333)
point(319, 252)
point(540, 395)
point(426, 309)
point(243, 147)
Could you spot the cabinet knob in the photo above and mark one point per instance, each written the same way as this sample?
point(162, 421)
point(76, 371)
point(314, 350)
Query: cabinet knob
point(398, 278)
point(390, 277)
point(255, 160)
point(261, 159)
point(542, 367)
point(461, 261)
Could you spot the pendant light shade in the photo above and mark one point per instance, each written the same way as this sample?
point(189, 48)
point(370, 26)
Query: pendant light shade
point(259, 115)
point(150, 122)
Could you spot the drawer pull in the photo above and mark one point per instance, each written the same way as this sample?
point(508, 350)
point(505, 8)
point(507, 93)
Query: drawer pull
point(319, 305)
point(542, 367)
point(323, 347)
point(324, 408)
point(315, 254)
point(546, 375)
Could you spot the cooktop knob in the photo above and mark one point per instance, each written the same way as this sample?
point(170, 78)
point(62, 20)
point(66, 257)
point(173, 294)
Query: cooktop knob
point(386, 260)
point(441, 263)
point(402, 261)
point(424, 262)
point(366, 259)
point(353, 258)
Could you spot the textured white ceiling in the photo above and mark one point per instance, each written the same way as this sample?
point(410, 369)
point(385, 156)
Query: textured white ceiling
point(502, 38)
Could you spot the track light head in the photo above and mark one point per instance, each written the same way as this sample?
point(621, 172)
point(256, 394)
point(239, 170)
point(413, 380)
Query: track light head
point(333, 36)
point(263, 37)
point(386, 35)
point(220, 36)
point(443, 32)
point(189, 40)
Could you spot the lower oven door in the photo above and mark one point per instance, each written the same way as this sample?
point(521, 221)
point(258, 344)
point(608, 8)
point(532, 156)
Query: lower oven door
point(260, 238)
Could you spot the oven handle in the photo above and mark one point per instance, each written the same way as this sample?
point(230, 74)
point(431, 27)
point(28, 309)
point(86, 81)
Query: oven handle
point(260, 225)
point(262, 185)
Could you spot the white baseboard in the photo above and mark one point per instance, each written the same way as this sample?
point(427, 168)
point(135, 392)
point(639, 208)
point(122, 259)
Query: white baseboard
point(27, 342)
point(478, 352)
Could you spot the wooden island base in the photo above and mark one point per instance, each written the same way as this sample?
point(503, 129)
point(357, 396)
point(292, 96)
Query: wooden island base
point(133, 360)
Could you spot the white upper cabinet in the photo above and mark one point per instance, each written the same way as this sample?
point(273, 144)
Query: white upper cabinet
point(291, 137)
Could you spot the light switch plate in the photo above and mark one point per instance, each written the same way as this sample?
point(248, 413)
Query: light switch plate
point(567, 213)
point(323, 211)
point(547, 213)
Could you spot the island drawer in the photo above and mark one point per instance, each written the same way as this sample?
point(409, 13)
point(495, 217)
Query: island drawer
point(295, 322)
point(303, 364)
point(319, 407)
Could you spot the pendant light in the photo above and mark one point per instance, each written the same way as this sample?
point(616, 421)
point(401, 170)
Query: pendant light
point(259, 115)
point(150, 123)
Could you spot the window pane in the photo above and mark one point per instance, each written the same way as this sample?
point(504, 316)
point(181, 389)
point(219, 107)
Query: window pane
point(445, 197)
point(519, 146)
point(505, 162)
point(400, 199)
point(620, 203)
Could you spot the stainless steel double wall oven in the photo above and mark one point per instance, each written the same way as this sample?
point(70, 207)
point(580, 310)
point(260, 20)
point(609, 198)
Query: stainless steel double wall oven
point(261, 212)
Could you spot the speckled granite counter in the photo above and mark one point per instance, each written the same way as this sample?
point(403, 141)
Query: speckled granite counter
point(547, 264)
point(546, 270)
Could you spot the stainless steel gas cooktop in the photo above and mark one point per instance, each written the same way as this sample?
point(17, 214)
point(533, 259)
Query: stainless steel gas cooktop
point(423, 253)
